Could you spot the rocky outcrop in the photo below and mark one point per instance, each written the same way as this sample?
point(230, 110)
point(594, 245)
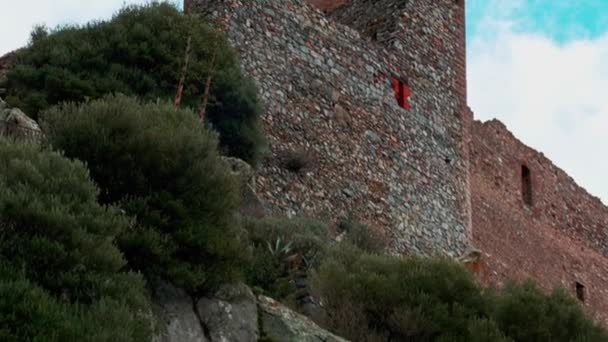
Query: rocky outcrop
point(233, 314)
point(175, 315)
point(279, 323)
point(252, 205)
point(14, 122)
point(239, 168)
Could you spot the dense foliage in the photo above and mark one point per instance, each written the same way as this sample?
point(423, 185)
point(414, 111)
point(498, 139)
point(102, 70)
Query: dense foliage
point(371, 297)
point(525, 313)
point(60, 274)
point(158, 165)
point(364, 237)
point(141, 52)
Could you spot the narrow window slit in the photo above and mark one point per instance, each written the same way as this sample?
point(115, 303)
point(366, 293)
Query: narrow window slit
point(580, 292)
point(526, 185)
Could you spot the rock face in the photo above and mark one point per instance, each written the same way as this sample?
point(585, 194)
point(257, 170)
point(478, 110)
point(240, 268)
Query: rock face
point(231, 315)
point(252, 205)
point(15, 123)
point(282, 324)
point(239, 168)
point(175, 315)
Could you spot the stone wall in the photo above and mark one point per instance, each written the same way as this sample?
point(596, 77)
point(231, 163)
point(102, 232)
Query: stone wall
point(428, 38)
point(559, 240)
point(327, 6)
point(327, 91)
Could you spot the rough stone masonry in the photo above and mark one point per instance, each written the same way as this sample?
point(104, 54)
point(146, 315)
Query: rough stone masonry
point(327, 87)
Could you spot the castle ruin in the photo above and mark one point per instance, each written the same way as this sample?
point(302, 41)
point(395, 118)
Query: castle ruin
point(373, 94)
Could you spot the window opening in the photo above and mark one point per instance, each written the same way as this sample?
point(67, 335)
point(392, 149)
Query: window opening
point(526, 185)
point(580, 291)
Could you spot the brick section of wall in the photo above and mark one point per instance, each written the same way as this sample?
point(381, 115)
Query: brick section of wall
point(327, 92)
point(558, 241)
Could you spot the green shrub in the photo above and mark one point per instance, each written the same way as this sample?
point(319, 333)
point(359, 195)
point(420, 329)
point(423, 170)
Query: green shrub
point(379, 297)
point(29, 313)
point(141, 52)
point(368, 239)
point(282, 248)
point(60, 274)
point(525, 313)
point(370, 297)
point(156, 162)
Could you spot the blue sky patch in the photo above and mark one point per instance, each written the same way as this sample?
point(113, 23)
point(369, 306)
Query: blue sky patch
point(560, 20)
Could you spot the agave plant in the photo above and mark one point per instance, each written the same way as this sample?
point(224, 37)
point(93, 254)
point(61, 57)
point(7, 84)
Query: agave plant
point(280, 247)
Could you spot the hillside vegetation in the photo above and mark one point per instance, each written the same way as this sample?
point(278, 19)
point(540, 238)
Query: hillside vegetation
point(141, 52)
point(128, 189)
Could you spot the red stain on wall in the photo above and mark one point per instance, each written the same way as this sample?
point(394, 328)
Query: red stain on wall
point(402, 93)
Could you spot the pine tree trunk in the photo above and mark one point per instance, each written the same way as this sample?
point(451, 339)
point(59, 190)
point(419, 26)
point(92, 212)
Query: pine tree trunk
point(182, 78)
point(203, 110)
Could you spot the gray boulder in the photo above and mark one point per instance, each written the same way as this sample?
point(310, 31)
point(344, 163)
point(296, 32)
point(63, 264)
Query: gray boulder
point(231, 315)
point(279, 323)
point(16, 117)
point(175, 316)
point(239, 168)
point(15, 123)
point(252, 205)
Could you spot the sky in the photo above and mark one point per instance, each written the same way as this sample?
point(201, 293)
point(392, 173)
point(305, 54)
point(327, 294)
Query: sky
point(540, 66)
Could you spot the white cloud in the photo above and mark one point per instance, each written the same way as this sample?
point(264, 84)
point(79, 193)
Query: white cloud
point(19, 17)
point(552, 96)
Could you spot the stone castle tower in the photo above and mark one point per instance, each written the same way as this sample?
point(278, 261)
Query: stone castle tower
point(374, 95)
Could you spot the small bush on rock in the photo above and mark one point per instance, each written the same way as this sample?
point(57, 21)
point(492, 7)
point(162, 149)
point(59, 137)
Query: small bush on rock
point(368, 239)
point(163, 169)
point(60, 277)
point(141, 52)
point(296, 161)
